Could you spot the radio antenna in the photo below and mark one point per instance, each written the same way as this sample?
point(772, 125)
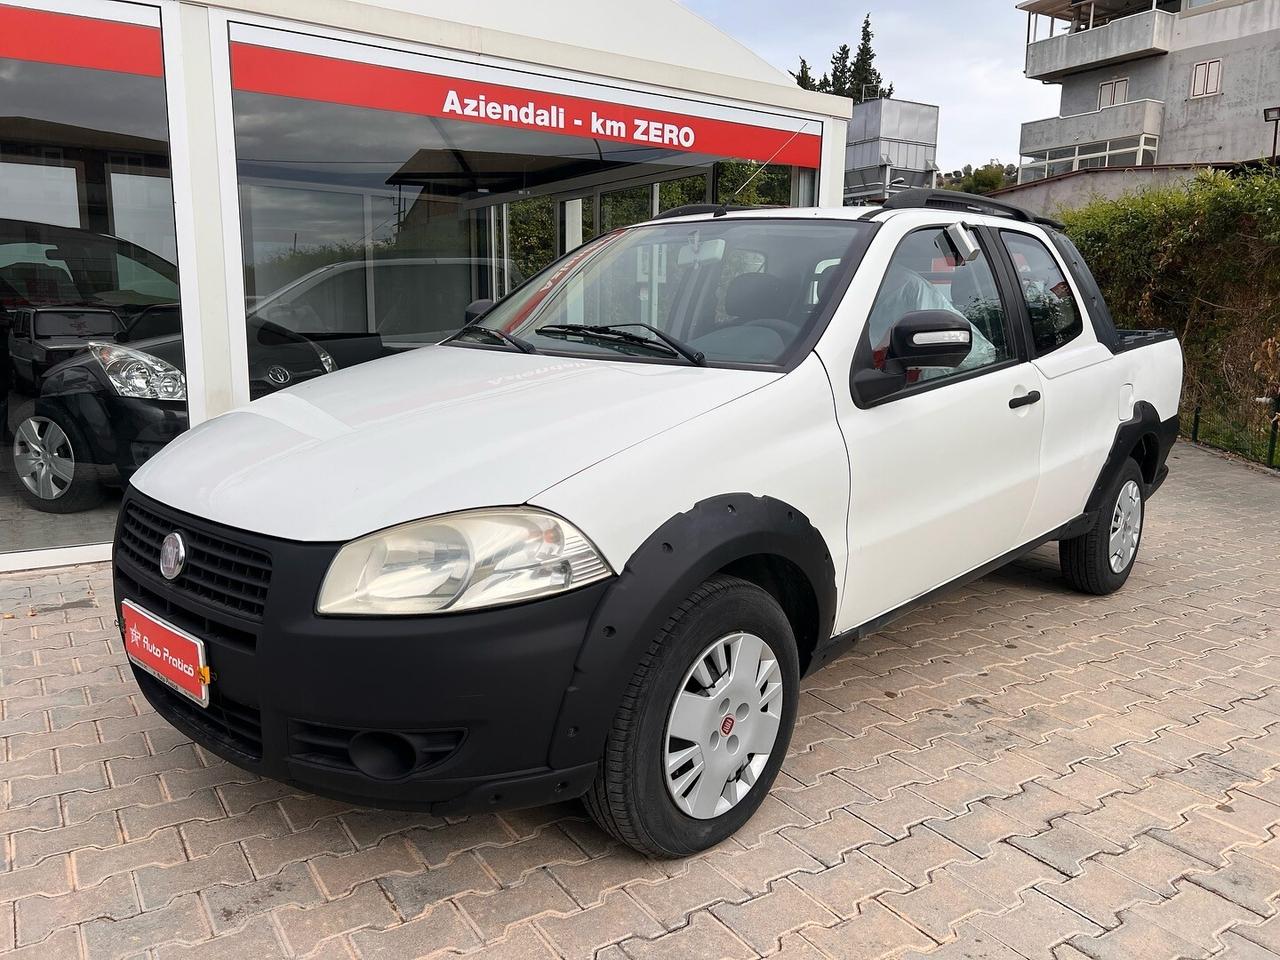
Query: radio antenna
point(724, 206)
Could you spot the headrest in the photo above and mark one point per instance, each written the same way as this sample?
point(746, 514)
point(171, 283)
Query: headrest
point(757, 296)
point(826, 280)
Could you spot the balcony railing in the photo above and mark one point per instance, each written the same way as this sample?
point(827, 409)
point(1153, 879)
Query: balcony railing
point(1125, 135)
point(1139, 35)
point(1131, 119)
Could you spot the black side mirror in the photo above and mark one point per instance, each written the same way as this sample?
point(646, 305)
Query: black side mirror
point(475, 310)
point(924, 338)
point(930, 338)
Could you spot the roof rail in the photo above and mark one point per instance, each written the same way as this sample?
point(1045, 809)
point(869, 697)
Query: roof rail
point(968, 202)
point(720, 209)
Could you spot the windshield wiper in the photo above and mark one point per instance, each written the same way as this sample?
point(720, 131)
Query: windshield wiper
point(694, 356)
point(611, 332)
point(524, 346)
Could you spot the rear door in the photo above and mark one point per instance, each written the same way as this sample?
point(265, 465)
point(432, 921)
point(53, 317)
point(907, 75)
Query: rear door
point(1085, 394)
point(944, 471)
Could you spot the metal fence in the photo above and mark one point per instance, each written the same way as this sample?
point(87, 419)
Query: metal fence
point(1248, 429)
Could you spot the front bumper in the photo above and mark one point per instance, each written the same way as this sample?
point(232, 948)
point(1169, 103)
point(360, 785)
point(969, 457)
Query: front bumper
point(123, 433)
point(445, 713)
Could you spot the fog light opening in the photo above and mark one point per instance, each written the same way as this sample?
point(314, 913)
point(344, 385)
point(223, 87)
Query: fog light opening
point(383, 756)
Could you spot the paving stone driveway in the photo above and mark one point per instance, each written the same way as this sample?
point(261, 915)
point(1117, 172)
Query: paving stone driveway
point(1016, 771)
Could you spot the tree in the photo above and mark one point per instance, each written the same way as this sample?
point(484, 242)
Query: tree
point(852, 75)
point(864, 79)
point(842, 73)
point(803, 77)
point(984, 179)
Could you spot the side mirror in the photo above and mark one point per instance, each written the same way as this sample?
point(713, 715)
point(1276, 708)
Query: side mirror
point(925, 338)
point(475, 310)
point(930, 338)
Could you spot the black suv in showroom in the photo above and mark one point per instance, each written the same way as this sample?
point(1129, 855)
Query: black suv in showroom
point(92, 363)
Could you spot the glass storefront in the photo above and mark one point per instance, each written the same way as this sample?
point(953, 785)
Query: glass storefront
point(371, 219)
point(378, 192)
point(91, 353)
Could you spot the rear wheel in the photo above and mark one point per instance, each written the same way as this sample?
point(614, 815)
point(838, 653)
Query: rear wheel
point(1100, 560)
point(704, 724)
point(48, 461)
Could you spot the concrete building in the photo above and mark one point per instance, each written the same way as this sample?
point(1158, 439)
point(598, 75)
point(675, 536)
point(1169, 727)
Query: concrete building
point(893, 146)
point(1148, 84)
point(219, 181)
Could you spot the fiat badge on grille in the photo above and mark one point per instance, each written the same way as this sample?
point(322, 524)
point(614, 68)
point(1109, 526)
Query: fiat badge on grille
point(173, 556)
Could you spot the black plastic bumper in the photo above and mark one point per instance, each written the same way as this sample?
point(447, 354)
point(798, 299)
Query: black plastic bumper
point(1166, 437)
point(447, 713)
point(123, 433)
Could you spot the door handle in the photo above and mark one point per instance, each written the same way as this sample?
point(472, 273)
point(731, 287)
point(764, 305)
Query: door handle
point(1025, 400)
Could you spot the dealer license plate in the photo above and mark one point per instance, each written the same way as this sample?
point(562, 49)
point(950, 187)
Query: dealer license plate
point(172, 656)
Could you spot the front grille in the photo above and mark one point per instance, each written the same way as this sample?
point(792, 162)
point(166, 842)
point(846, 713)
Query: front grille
point(183, 617)
point(220, 572)
point(236, 726)
point(327, 746)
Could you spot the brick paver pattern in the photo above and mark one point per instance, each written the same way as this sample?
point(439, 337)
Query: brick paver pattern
point(1015, 771)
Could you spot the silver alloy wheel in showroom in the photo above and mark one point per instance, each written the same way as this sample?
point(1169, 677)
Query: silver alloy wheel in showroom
point(43, 457)
point(1126, 526)
point(723, 725)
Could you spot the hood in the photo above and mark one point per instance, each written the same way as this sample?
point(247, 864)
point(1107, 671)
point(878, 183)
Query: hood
point(432, 431)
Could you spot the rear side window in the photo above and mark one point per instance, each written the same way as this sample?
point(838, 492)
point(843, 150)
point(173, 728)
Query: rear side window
point(1055, 316)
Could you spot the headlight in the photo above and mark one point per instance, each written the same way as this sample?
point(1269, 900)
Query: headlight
point(136, 374)
point(462, 561)
point(326, 358)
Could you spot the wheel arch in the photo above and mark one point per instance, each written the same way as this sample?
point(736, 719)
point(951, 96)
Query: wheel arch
point(760, 539)
point(1138, 438)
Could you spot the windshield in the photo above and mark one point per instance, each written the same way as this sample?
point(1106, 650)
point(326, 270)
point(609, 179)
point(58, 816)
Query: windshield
point(47, 266)
point(731, 291)
point(76, 324)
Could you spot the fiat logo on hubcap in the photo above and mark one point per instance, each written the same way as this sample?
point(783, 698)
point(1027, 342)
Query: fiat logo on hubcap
point(726, 725)
point(173, 556)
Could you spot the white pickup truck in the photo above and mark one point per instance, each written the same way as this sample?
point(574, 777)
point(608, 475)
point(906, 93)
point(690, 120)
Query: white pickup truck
point(589, 544)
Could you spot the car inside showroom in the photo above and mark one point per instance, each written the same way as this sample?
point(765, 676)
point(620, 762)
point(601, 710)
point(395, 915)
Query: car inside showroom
point(203, 205)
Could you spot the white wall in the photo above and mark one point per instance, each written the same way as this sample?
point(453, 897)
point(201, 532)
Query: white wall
point(658, 30)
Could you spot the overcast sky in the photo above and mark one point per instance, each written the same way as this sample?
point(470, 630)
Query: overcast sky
point(964, 55)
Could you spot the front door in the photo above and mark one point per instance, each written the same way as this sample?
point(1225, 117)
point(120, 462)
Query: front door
point(944, 470)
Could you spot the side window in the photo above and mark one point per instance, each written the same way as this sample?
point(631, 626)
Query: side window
point(1055, 315)
point(927, 273)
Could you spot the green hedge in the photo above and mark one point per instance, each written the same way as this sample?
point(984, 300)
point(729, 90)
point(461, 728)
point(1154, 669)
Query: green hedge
point(1204, 259)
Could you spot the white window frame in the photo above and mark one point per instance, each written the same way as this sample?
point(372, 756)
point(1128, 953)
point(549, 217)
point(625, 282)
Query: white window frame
point(224, 26)
point(1211, 73)
point(152, 14)
point(1107, 92)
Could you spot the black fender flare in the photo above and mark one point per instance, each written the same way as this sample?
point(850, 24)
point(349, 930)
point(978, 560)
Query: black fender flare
point(1129, 437)
point(664, 570)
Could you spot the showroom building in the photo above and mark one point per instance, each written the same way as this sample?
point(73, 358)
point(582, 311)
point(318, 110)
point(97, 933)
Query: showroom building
point(203, 204)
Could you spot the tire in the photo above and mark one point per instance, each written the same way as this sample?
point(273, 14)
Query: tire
point(725, 623)
point(1090, 562)
point(67, 483)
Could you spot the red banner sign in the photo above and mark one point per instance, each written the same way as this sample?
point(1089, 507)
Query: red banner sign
point(307, 76)
point(72, 41)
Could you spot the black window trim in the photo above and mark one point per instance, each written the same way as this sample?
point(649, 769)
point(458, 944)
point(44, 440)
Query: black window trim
point(1014, 329)
point(1015, 287)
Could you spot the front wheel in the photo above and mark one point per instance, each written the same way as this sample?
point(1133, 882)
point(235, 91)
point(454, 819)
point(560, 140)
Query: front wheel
point(704, 724)
point(1100, 560)
point(49, 460)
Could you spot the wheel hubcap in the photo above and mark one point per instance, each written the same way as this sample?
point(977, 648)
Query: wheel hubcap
point(43, 458)
point(723, 725)
point(1126, 527)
